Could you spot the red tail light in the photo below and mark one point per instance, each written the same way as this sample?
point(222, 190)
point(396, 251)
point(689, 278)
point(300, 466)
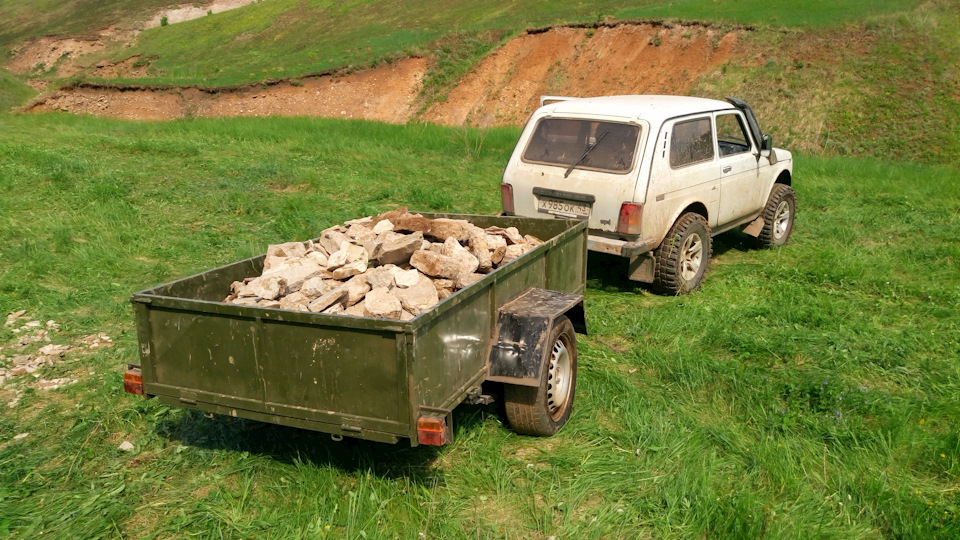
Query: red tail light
point(133, 381)
point(432, 430)
point(629, 218)
point(506, 198)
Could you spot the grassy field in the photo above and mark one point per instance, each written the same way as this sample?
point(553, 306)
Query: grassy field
point(806, 391)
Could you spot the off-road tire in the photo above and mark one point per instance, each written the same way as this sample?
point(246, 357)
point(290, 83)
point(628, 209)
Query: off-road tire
point(684, 256)
point(778, 217)
point(541, 411)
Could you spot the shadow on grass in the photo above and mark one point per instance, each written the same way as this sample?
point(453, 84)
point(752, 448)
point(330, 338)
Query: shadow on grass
point(290, 445)
point(733, 240)
point(608, 273)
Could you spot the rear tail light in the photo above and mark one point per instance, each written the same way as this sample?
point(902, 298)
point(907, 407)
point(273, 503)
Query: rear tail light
point(133, 381)
point(629, 218)
point(432, 430)
point(506, 198)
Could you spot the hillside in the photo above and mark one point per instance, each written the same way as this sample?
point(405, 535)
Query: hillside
point(826, 78)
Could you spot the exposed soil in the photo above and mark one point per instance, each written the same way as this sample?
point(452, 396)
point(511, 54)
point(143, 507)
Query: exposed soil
point(503, 90)
point(623, 59)
point(387, 94)
point(66, 55)
point(193, 11)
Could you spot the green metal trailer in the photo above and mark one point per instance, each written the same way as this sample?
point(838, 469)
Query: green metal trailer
point(376, 379)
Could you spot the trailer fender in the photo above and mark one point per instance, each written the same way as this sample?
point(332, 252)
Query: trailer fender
point(523, 328)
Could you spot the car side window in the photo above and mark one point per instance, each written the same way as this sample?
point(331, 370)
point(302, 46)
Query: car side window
point(731, 135)
point(691, 142)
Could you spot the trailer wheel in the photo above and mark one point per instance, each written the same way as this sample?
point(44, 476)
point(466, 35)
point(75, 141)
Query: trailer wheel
point(542, 411)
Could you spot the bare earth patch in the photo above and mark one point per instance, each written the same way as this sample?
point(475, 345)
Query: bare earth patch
point(503, 90)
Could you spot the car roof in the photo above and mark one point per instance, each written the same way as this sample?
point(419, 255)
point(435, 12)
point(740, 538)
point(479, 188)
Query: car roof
point(654, 109)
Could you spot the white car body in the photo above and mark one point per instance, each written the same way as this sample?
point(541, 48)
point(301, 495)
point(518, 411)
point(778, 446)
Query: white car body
point(729, 188)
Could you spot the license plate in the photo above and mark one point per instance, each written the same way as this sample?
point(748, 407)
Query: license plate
point(562, 208)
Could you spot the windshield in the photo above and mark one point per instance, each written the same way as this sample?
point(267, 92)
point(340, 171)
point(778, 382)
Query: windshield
point(563, 141)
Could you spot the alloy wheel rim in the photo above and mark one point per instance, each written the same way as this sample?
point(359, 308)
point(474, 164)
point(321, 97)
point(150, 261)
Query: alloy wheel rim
point(782, 220)
point(691, 257)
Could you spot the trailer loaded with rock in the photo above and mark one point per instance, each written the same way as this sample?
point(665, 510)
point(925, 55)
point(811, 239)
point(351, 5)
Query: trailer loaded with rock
point(377, 328)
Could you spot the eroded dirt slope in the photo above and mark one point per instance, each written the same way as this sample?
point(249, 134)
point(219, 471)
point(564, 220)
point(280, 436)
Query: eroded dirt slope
point(503, 90)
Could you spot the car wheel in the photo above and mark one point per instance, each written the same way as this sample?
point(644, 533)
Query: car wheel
point(683, 256)
point(541, 411)
point(778, 217)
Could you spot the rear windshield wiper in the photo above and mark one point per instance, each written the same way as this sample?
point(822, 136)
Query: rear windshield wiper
point(585, 152)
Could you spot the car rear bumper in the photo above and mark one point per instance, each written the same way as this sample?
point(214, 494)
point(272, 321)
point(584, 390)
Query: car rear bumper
point(621, 248)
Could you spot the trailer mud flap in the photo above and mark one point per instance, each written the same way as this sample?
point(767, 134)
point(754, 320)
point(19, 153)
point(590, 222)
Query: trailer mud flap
point(523, 327)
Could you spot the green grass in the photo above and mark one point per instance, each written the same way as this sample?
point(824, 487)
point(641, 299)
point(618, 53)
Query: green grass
point(805, 391)
point(13, 92)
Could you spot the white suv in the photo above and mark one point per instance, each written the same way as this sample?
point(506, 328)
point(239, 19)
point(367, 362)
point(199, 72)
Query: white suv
point(655, 176)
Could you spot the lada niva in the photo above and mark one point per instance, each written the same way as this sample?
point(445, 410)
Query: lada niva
point(656, 177)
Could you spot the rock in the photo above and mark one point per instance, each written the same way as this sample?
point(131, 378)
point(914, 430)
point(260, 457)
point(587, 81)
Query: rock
point(406, 315)
point(360, 233)
point(348, 253)
point(383, 226)
point(246, 301)
point(338, 295)
point(319, 257)
point(277, 253)
point(465, 280)
point(435, 264)
point(53, 384)
point(367, 220)
point(269, 303)
point(126, 446)
point(268, 287)
point(314, 287)
point(390, 216)
point(513, 251)
point(331, 240)
point(418, 298)
point(407, 278)
point(357, 288)
point(53, 350)
point(399, 251)
point(296, 272)
point(381, 276)
point(480, 249)
point(439, 229)
point(295, 302)
point(467, 262)
point(12, 317)
point(335, 309)
point(21, 359)
point(532, 240)
point(443, 284)
point(353, 269)
point(382, 304)
point(357, 310)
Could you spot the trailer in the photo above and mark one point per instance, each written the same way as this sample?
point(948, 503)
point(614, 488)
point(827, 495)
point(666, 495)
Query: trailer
point(368, 378)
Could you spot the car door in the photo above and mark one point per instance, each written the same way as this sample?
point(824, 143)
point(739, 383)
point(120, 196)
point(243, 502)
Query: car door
point(739, 172)
point(684, 171)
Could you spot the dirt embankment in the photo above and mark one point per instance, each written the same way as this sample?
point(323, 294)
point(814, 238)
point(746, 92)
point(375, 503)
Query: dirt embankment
point(503, 90)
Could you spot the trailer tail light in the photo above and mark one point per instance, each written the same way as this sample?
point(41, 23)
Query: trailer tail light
point(629, 218)
point(432, 430)
point(133, 381)
point(506, 199)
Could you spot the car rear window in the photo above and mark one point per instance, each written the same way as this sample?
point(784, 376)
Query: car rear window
point(563, 141)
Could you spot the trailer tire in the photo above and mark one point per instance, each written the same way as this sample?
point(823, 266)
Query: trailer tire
point(541, 411)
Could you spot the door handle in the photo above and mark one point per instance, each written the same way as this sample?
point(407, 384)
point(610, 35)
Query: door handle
point(727, 168)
